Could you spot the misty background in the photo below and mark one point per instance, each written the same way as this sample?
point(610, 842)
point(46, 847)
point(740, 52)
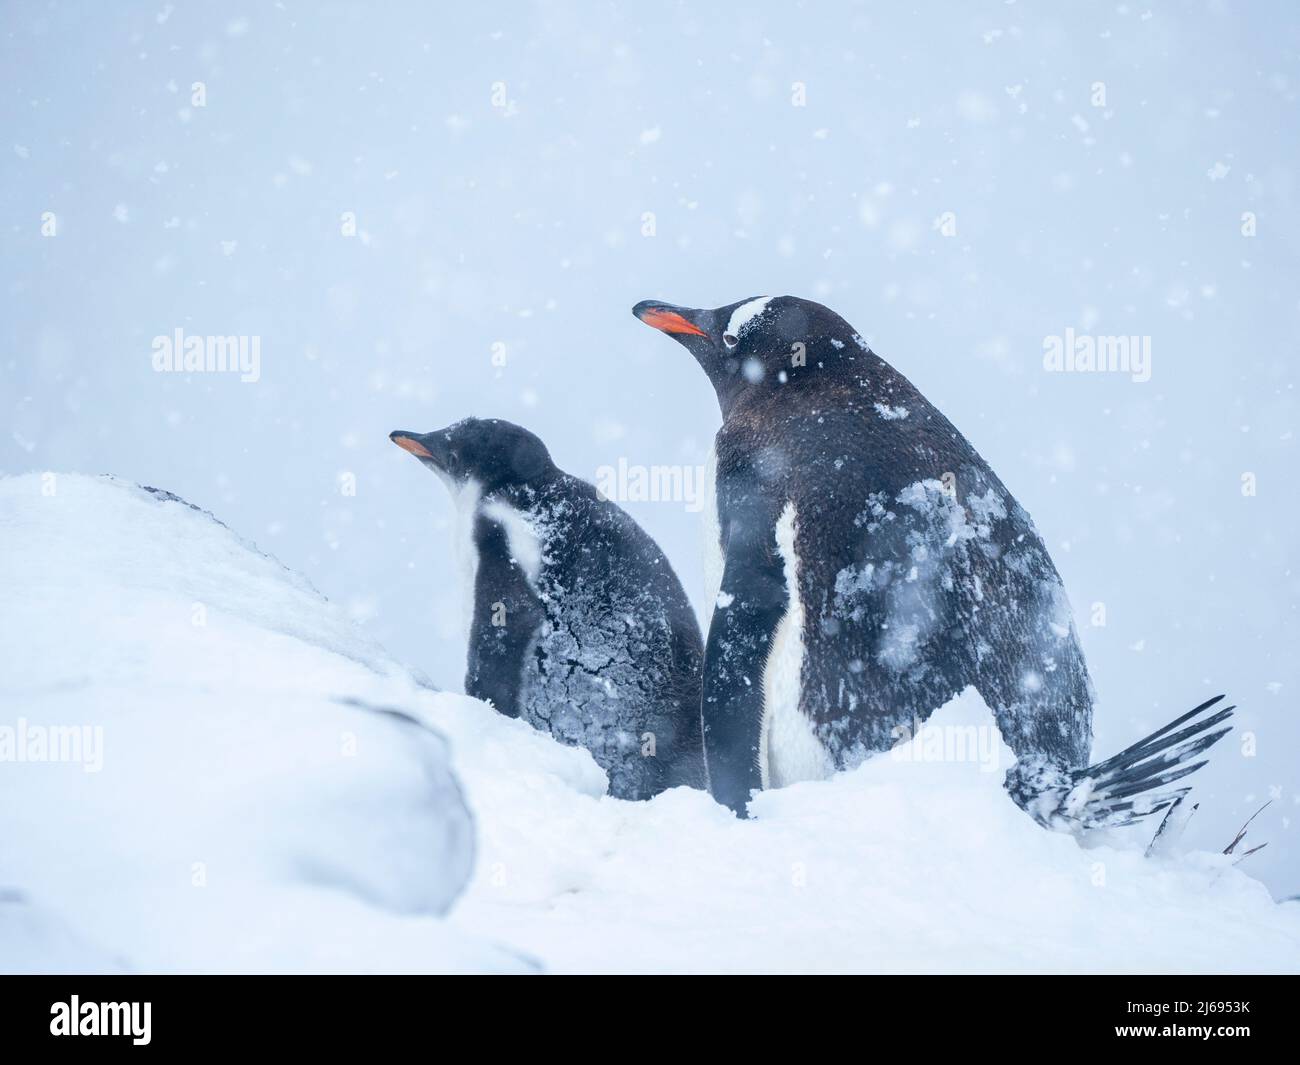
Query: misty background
point(430, 211)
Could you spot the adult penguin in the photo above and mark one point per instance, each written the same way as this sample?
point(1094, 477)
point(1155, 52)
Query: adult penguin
point(870, 566)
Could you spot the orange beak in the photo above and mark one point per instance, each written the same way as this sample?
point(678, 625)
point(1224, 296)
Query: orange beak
point(670, 322)
point(416, 448)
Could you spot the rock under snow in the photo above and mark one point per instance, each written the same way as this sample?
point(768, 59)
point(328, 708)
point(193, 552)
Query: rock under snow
point(202, 765)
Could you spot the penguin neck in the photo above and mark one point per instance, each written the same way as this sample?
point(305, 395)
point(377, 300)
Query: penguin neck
point(522, 495)
point(825, 361)
point(735, 393)
point(848, 369)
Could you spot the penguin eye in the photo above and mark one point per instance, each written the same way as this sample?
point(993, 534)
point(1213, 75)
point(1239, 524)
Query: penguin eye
point(730, 340)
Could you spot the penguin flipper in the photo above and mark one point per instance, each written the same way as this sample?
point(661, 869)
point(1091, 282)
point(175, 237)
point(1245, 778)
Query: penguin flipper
point(1126, 787)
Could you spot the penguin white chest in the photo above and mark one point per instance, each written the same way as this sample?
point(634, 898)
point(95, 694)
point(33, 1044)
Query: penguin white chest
point(789, 750)
point(522, 536)
point(714, 563)
point(465, 498)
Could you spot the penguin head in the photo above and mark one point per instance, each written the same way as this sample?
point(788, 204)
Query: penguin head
point(493, 453)
point(758, 343)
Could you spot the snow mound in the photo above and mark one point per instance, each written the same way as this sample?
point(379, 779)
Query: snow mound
point(274, 794)
point(202, 764)
point(917, 861)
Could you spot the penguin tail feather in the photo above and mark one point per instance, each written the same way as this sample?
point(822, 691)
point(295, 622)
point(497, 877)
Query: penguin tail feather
point(1127, 787)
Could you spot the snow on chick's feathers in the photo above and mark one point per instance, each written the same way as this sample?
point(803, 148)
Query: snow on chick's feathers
point(579, 624)
point(872, 566)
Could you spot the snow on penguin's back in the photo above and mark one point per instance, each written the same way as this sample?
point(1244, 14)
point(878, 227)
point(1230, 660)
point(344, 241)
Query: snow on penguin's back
point(245, 772)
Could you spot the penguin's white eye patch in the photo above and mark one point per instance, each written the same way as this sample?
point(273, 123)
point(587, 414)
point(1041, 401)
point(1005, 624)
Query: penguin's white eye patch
point(729, 340)
point(743, 315)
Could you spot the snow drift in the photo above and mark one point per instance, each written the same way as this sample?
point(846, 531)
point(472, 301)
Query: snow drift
point(273, 793)
point(913, 862)
point(204, 766)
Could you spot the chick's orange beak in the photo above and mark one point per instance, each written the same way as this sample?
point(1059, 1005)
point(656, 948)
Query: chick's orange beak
point(670, 322)
point(412, 445)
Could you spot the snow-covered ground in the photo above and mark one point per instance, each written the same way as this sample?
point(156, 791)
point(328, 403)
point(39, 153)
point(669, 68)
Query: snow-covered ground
point(900, 866)
point(270, 791)
point(233, 783)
